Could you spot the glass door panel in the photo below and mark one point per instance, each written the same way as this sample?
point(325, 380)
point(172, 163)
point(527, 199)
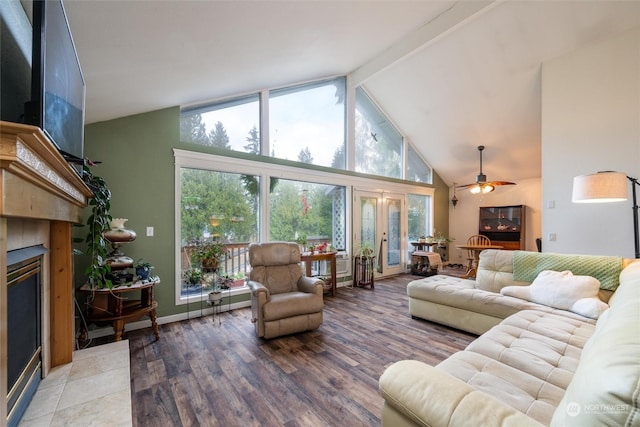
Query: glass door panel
point(393, 209)
point(392, 221)
point(378, 225)
point(368, 221)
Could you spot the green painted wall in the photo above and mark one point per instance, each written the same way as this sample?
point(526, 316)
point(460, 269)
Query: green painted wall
point(138, 165)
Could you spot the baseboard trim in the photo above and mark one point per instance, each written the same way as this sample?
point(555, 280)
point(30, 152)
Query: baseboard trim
point(107, 330)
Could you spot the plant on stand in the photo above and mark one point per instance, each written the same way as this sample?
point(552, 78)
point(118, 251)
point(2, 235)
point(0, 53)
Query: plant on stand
point(143, 269)
point(365, 251)
point(97, 246)
point(193, 276)
point(208, 254)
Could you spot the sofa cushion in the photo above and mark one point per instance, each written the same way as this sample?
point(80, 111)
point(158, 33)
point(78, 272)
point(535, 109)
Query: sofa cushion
point(521, 364)
point(495, 270)
point(563, 290)
point(519, 390)
point(605, 389)
point(291, 304)
point(462, 293)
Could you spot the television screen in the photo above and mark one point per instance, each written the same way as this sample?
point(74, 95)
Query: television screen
point(58, 88)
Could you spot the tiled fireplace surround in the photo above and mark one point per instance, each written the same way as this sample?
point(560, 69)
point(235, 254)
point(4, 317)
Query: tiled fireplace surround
point(40, 198)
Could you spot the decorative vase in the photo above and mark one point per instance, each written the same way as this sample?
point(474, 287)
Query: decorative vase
point(142, 273)
point(117, 222)
point(117, 236)
point(215, 296)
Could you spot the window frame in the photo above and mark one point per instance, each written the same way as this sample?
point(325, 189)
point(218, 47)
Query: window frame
point(269, 167)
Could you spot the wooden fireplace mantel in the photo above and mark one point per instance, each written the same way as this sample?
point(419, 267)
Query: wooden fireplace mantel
point(39, 190)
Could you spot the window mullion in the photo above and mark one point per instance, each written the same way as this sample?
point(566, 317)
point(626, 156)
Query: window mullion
point(264, 123)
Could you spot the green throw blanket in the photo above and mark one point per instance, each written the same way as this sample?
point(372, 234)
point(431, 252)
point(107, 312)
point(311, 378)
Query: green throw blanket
point(527, 265)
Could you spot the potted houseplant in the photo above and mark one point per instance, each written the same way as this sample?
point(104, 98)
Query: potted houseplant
point(193, 276)
point(143, 269)
point(208, 254)
point(239, 279)
point(365, 251)
point(364, 265)
point(443, 240)
point(301, 240)
point(98, 247)
point(217, 284)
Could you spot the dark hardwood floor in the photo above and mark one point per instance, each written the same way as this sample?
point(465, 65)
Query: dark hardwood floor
point(201, 373)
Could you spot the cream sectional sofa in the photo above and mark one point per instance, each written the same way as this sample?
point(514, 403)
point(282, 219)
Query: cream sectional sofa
point(538, 366)
point(476, 305)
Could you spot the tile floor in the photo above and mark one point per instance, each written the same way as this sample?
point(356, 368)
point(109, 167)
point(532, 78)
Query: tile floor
point(93, 390)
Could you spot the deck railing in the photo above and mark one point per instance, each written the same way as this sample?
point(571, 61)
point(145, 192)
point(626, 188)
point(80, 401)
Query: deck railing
point(237, 259)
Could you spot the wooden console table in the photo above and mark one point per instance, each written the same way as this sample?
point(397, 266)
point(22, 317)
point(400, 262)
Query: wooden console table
point(113, 306)
point(308, 259)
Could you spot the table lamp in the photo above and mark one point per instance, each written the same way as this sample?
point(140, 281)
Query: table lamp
point(604, 187)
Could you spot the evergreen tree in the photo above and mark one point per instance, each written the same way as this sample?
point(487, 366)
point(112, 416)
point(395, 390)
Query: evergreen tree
point(305, 156)
point(218, 136)
point(253, 141)
point(339, 158)
point(206, 193)
point(192, 129)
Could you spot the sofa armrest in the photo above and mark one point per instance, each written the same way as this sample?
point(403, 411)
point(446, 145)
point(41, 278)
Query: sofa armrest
point(431, 397)
point(311, 285)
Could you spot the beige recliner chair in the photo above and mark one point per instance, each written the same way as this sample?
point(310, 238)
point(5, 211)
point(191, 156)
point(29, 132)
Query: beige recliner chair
point(283, 300)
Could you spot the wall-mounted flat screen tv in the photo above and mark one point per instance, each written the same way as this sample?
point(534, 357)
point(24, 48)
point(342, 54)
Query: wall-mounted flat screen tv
point(57, 83)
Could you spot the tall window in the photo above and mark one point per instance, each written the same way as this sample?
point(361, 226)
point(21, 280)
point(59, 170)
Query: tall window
point(217, 206)
point(315, 211)
point(234, 125)
point(307, 123)
point(419, 216)
point(417, 169)
point(378, 143)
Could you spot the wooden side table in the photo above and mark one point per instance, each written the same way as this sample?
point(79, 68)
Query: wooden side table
point(308, 258)
point(113, 306)
point(423, 246)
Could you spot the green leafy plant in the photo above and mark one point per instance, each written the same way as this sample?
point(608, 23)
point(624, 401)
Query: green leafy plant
point(301, 239)
point(208, 254)
point(143, 269)
point(144, 264)
point(366, 250)
point(193, 276)
point(442, 239)
point(98, 247)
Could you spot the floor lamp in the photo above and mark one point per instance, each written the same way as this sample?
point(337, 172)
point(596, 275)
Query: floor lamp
point(603, 187)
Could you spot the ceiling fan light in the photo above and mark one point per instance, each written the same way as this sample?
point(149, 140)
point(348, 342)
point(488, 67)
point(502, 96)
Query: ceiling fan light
point(475, 189)
point(487, 189)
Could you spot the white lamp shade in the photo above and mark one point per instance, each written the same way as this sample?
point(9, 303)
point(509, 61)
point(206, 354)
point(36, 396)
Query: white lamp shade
point(601, 187)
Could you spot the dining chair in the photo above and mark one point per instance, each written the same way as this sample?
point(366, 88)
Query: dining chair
point(476, 239)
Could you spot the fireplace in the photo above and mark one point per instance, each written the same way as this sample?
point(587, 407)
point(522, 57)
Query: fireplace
point(24, 326)
point(41, 197)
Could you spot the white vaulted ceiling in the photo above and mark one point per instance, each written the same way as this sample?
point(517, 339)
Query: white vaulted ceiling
point(451, 75)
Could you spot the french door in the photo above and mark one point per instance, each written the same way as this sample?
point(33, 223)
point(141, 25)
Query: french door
point(378, 223)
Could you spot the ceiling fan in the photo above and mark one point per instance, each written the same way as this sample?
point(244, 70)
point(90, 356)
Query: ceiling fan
point(481, 185)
